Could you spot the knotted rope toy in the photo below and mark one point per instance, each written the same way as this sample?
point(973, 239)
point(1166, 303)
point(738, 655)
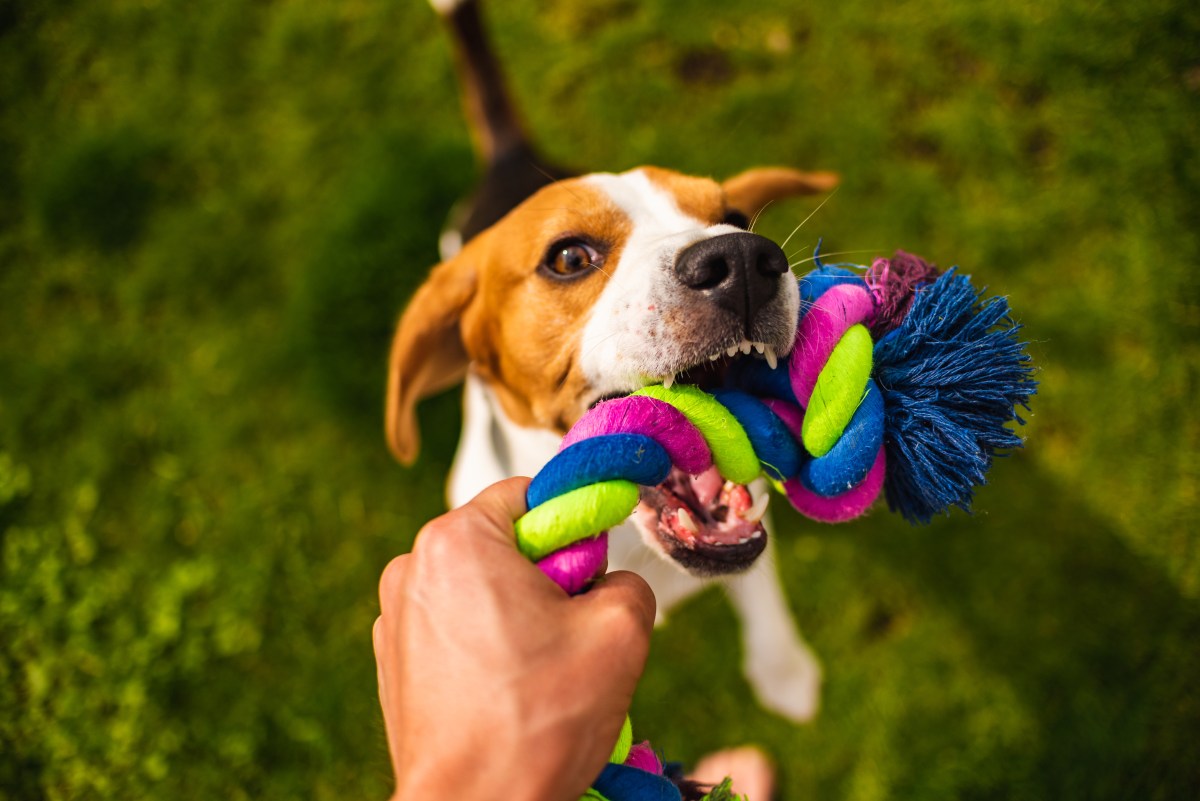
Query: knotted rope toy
point(901, 379)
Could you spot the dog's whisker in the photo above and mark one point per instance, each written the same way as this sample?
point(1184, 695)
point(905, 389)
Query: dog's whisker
point(796, 253)
point(757, 215)
point(597, 344)
point(828, 198)
point(835, 253)
point(595, 266)
point(546, 174)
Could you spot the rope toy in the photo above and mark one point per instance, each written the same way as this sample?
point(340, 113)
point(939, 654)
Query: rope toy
point(901, 380)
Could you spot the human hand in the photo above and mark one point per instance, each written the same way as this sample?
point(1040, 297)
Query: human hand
point(494, 683)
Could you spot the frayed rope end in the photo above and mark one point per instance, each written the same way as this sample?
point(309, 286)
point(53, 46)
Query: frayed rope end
point(952, 373)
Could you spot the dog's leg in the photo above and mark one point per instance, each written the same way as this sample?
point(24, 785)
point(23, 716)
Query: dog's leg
point(782, 670)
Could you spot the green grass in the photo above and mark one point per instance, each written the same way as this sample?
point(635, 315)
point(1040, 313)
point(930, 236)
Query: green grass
point(211, 213)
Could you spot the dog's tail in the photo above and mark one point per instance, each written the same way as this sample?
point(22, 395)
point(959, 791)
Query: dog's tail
point(512, 168)
point(495, 125)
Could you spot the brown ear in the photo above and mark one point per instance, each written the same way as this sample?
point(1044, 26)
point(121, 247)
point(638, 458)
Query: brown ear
point(750, 192)
point(427, 351)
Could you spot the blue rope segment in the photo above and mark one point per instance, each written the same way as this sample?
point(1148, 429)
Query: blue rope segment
point(817, 282)
point(951, 375)
point(625, 783)
point(849, 461)
point(757, 378)
point(773, 444)
point(633, 457)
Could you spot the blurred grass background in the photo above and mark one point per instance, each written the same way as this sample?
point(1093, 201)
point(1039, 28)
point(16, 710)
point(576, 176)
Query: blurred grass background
point(212, 212)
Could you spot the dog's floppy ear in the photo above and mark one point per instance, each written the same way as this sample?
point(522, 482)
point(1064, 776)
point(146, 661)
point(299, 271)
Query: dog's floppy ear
point(750, 192)
point(427, 351)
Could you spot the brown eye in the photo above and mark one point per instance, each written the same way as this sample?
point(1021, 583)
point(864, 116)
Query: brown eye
point(570, 259)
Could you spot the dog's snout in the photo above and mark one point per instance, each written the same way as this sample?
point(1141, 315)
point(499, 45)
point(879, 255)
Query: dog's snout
point(739, 272)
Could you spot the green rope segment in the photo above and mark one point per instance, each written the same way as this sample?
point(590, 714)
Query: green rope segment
point(574, 516)
point(731, 449)
point(839, 390)
point(624, 743)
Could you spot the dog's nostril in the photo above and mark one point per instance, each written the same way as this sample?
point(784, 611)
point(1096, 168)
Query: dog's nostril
point(713, 272)
point(737, 272)
point(771, 261)
point(705, 272)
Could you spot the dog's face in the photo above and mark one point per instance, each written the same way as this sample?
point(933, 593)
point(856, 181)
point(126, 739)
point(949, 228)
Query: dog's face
point(594, 287)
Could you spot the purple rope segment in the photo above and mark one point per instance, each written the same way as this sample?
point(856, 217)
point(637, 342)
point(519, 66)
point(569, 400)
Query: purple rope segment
point(650, 417)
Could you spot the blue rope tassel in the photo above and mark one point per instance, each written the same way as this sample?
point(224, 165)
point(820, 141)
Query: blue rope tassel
point(951, 375)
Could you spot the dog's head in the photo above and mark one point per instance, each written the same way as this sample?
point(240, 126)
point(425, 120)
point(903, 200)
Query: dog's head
point(594, 287)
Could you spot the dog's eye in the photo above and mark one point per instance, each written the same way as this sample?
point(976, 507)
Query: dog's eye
point(737, 219)
point(569, 259)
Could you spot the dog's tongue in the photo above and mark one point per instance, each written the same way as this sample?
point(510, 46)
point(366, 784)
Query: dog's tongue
point(706, 487)
point(702, 510)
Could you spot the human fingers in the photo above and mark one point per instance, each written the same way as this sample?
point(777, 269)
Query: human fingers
point(621, 605)
point(501, 504)
point(379, 641)
point(391, 584)
point(491, 514)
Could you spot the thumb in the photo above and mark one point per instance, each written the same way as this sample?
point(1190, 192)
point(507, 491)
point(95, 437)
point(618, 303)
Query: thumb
point(500, 505)
point(629, 596)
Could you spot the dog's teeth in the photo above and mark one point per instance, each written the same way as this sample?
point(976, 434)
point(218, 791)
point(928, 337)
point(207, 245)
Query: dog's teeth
point(755, 513)
point(669, 381)
point(685, 520)
point(745, 346)
point(756, 534)
point(760, 347)
point(732, 350)
point(772, 360)
point(714, 357)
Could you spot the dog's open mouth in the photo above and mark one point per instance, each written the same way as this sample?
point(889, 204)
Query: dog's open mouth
point(707, 524)
point(704, 522)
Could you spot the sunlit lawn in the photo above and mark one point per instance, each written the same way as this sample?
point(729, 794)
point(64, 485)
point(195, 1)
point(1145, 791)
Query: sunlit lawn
point(212, 212)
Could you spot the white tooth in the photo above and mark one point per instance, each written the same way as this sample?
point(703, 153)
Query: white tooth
point(743, 540)
point(759, 346)
point(685, 520)
point(745, 346)
point(669, 381)
point(756, 534)
point(772, 360)
point(755, 513)
point(714, 357)
point(732, 350)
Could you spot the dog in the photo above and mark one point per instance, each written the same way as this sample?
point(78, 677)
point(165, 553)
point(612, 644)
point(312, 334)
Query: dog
point(557, 291)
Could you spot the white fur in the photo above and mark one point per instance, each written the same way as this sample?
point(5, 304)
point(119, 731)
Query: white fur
point(617, 353)
point(780, 667)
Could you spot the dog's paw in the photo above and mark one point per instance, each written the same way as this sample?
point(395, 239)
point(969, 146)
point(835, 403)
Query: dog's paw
point(787, 683)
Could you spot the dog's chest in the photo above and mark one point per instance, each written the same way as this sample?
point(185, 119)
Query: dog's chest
point(492, 447)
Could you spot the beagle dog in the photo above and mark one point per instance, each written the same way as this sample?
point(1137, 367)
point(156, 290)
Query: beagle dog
point(558, 292)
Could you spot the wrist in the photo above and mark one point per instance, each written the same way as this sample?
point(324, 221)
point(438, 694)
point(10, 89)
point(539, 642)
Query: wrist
point(438, 782)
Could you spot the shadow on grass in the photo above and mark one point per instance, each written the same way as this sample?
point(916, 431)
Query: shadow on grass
point(379, 243)
point(1025, 652)
point(1096, 640)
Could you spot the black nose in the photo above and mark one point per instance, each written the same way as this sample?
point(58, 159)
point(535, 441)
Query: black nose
point(739, 272)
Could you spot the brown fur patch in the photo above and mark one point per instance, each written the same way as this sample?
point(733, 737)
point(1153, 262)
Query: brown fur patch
point(701, 198)
point(523, 329)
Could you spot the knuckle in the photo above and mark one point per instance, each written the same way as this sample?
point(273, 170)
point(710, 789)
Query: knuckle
point(626, 621)
point(391, 583)
point(438, 539)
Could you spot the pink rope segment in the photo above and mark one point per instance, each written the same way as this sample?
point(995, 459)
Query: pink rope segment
point(821, 329)
point(662, 422)
point(840, 508)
